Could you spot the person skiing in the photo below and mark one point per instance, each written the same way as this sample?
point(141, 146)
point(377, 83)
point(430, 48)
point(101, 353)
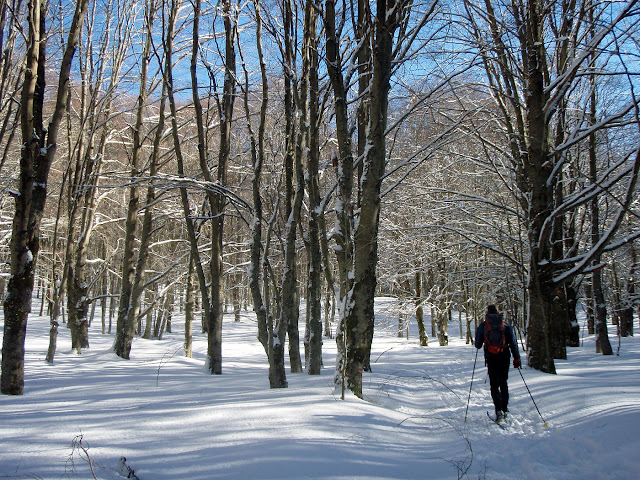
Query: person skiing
point(499, 343)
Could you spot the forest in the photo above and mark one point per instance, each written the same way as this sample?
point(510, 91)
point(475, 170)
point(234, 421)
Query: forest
point(300, 158)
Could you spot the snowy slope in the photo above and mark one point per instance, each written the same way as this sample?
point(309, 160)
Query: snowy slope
point(172, 420)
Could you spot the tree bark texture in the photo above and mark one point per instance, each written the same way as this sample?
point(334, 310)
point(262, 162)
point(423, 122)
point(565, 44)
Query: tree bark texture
point(189, 304)
point(37, 154)
point(214, 348)
point(343, 165)
point(537, 173)
point(603, 345)
point(359, 322)
point(314, 298)
point(422, 331)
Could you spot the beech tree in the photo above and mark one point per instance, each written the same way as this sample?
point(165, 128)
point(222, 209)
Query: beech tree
point(99, 86)
point(450, 154)
point(131, 291)
point(311, 131)
point(294, 102)
point(533, 71)
point(37, 154)
point(392, 30)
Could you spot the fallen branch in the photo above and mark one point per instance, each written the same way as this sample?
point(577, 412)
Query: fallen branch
point(83, 452)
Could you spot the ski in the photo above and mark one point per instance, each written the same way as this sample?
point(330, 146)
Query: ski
point(495, 421)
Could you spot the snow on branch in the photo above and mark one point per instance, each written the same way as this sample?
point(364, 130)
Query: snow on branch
point(563, 83)
point(606, 239)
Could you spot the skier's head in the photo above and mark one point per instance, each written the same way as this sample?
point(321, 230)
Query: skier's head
point(491, 309)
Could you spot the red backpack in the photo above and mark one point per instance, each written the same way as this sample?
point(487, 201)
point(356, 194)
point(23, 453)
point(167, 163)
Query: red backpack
point(494, 339)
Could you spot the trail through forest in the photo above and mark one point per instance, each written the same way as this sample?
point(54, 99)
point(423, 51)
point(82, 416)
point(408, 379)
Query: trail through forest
point(173, 420)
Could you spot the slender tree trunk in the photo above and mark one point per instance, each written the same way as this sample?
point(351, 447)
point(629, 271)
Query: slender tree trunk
point(214, 348)
point(54, 314)
point(434, 322)
point(189, 302)
point(626, 304)
point(573, 337)
point(184, 198)
point(589, 306)
point(422, 332)
point(257, 157)
point(134, 285)
point(603, 345)
point(146, 334)
point(261, 303)
point(343, 165)
point(130, 292)
point(57, 281)
point(294, 191)
point(314, 298)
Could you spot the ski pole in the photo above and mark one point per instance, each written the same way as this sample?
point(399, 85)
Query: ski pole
point(471, 386)
point(544, 424)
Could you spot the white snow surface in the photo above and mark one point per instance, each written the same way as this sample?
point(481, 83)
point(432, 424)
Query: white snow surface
point(173, 420)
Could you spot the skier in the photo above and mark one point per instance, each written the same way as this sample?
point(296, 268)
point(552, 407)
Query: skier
point(499, 343)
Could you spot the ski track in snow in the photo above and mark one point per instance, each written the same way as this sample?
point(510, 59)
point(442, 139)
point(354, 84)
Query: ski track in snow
point(172, 420)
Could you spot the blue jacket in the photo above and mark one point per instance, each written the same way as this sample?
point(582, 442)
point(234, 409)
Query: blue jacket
point(509, 338)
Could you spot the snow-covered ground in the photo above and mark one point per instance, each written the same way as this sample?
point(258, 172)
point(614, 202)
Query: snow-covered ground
point(172, 420)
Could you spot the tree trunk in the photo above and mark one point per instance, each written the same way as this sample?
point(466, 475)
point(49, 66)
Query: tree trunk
point(314, 298)
point(343, 165)
point(402, 321)
point(189, 222)
point(589, 304)
point(625, 304)
point(131, 290)
point(56, 283)
point(422, 331)
point(289, 315)
point(189, 311)
point(434, 322)
point(602, 336)
point(261, 304)
point(214, 348)
point(443, 320)
point(78, 294)
point(168, 307)
point(540, 290)
point(37, 154)
point(603, 345)
point(559, 324)
point(137, 286)
point(573, 337)
point(257, 152)
point(359, 323)
point(536, 175)
point(146, 334)
point(54, 314)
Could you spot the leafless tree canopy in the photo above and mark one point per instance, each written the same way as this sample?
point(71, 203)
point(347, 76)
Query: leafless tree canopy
point(300, 158)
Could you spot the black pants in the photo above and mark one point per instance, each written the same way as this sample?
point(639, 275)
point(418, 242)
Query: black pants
point(498, 368)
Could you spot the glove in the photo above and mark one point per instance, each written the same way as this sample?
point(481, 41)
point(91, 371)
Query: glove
point(516, 363)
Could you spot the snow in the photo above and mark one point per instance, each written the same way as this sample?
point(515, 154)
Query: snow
point(173, 420)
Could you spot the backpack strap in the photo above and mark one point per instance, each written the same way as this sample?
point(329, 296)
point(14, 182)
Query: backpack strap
point(487, 334)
